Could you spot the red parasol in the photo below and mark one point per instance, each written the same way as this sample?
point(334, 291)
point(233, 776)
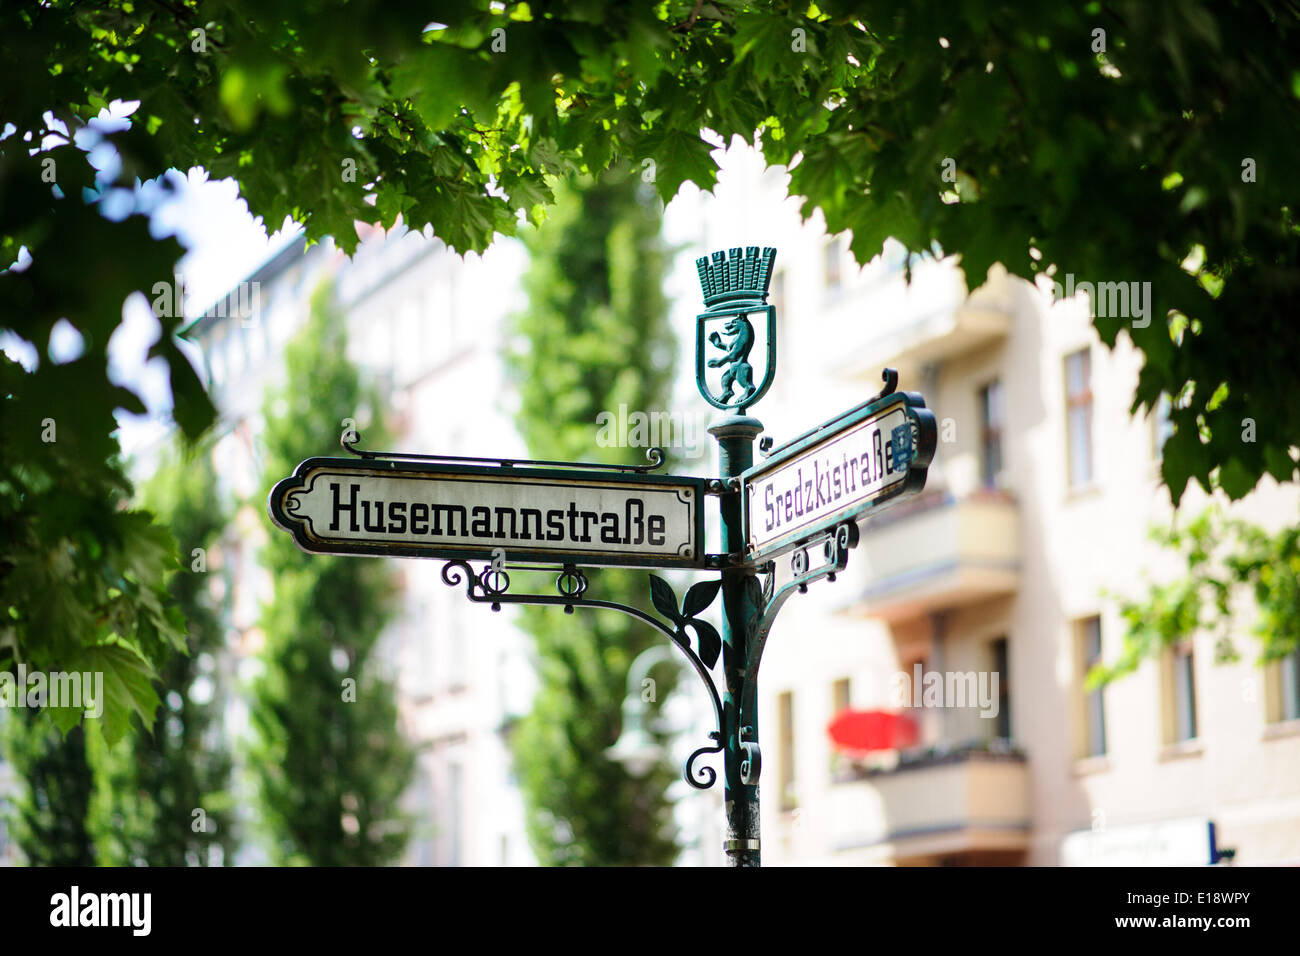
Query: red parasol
point(862, 731)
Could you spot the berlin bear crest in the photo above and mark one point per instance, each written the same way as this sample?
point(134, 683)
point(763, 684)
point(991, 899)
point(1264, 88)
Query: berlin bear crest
point(735, 284)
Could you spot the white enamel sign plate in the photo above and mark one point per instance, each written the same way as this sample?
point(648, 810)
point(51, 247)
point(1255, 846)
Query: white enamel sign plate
point(533, 515)
point(879, 454)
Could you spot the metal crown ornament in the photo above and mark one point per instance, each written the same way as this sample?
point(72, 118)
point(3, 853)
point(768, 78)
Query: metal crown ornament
point(738, 278)
point(735, 284)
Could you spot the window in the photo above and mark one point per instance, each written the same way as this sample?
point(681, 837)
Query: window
point(438, 325)
point(1288, 697)
point(1094, 701)
point(841, 695)
point(1078, 414)
point(834, 255)
point(841, 692)
point(452, 318)
point(457, 670)
point(909, 697)
point(785, 748)
point(407, 354)
point(1000, 653)
point(423, 810)
point(422, 628)
point(1181, 724)
point(991, 422)
point(379, 342)
point(453, 818)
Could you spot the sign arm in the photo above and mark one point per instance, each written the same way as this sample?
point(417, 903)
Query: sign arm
point(836, 545)
point(490, 586)
point(654, 455)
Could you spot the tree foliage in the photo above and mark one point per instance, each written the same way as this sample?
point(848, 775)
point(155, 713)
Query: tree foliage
point(49, 819)
point(595, 335)
point(330, 761)
point(84, 800)
point(1228, 560)
point(1126, 141)
point(83, 579)
point(164, 793)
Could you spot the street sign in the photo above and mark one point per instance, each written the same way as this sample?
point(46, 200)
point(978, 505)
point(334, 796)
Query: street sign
point(873, 454)
point(420, 509)
point(548, 513)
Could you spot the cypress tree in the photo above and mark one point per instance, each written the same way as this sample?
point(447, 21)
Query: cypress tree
point(595, 334)
point(329, 759)
point(164, 798)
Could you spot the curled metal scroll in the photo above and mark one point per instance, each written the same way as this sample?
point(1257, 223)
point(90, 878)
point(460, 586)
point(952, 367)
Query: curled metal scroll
point(490, 587)
point(707, 774)
point(836, 544)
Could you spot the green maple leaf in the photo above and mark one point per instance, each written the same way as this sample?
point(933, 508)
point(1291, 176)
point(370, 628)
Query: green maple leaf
point(527, 192)
point(770, 40)
point(679, 157)
point(127, 688)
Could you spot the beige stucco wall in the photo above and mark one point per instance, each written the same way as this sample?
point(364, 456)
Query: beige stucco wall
point(1077, 552)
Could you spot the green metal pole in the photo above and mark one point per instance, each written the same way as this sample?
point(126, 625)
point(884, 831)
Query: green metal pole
point(735, 435)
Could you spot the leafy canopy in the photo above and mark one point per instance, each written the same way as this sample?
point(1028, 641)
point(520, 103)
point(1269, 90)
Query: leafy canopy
point(1127, 141)
point(1108, 140)
point(1232, 566)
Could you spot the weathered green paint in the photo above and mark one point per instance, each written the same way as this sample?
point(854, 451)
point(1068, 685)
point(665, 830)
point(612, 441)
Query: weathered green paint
point(735, 436)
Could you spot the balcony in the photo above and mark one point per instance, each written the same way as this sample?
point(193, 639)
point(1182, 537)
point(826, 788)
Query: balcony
point(962, 806)
point(936, 552)
point(928, 322)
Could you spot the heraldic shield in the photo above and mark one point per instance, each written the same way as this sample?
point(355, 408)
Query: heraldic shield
point(735, 338)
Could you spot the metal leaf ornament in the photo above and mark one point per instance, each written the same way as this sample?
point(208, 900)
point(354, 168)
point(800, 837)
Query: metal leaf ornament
point(697, 600)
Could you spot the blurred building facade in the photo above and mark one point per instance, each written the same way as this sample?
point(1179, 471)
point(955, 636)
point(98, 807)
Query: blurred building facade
point(1033, 523)
point(425, 328)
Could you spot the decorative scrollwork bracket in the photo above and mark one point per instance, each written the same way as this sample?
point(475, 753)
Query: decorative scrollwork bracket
point(763, 602)
point(491, 586)
point(762, 606)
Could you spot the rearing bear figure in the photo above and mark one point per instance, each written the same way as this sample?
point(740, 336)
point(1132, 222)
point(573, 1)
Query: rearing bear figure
point(736, 357)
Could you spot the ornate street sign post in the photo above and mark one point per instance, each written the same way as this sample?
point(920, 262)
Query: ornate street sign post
point(806, 495)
